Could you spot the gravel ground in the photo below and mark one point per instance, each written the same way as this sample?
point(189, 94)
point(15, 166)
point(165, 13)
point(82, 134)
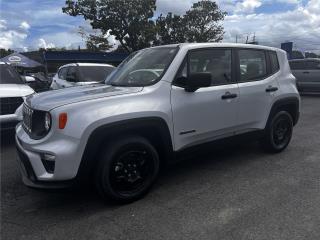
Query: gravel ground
point(233, 193)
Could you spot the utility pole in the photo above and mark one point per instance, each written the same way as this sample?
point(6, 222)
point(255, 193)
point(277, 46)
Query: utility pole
point(236, 38)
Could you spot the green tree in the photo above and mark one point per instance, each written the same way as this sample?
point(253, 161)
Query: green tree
point(311, 55)
point(95, 42)
point(170, 29)
point(5, 52)
point(130, 21)
point(297, 54)
point(203, 22)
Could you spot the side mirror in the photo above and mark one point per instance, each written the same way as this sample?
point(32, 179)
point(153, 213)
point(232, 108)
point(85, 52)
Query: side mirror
point(29, 79)
point(198, 80)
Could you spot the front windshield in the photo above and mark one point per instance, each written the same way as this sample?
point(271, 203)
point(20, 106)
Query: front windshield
point(94, 73)
point(143, 68)
point(8, 75)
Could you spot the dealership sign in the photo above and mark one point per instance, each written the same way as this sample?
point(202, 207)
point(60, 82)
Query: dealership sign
point(14, 59)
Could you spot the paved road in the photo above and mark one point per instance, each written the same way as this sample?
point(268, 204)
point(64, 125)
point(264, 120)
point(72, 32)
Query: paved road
point(234, 193)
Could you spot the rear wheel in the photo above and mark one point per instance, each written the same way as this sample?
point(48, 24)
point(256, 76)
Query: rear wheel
point(127, 169)
point(278, 132)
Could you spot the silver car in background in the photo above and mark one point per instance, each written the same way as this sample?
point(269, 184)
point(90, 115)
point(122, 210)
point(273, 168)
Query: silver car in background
point(307, 73)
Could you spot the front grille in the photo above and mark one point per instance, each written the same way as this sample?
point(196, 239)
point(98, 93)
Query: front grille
point(27, 113)
point(9, 105)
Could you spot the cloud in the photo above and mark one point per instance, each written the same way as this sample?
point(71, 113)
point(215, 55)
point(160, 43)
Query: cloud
point(181, 6)
point(24, 23)
point(3, 24)
point(24, 26)
point(178, 7)
point(301, 25)
point(43, 44)
point(11, 38)
point(247, 6)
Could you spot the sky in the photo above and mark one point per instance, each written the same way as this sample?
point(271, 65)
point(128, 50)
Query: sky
point(30, 24)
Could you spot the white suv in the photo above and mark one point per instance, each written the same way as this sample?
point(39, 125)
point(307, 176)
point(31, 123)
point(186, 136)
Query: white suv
point(159, 102)
point(12, 93)
point(76, 74)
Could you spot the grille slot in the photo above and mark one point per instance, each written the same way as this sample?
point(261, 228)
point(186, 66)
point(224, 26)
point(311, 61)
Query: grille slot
point(27, 118)
point(9, 105)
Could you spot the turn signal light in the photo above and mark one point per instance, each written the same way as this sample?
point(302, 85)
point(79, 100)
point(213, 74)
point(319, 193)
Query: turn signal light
point(63, 118)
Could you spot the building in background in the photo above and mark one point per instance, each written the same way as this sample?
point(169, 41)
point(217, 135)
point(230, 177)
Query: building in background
point(288, 47)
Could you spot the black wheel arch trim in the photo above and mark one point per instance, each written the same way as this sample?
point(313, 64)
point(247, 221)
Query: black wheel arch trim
point(286, 102)
point(139, 126)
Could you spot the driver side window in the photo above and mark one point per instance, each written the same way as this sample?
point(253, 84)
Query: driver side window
point(218, 62)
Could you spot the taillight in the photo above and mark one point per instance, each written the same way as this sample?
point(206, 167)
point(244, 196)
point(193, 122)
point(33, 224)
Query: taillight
point(63, 118)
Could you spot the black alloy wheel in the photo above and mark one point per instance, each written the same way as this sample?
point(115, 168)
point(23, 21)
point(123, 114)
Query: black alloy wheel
point(127, 169)
point(278, 133)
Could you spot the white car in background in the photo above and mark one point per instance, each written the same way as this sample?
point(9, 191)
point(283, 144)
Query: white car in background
point(13, 90)
point(76, 74)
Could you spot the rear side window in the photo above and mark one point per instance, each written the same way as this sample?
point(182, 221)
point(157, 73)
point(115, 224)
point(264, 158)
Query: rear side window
point(297, 65)
point(215, 61)
point(274, 63)
point(253, 65)
point(63, 73)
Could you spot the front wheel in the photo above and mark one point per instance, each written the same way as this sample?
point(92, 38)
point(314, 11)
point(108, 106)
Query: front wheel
point(278, 132)
point(127, 169)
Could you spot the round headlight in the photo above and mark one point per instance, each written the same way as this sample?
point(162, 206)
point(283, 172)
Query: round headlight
point(47, 121)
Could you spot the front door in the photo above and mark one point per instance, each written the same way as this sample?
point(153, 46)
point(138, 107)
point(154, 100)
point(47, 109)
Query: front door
point(208, 113)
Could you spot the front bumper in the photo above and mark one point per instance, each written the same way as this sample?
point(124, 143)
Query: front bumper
point(29, 177)
point(33, 169)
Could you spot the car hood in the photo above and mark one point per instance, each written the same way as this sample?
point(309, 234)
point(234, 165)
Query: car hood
point(15, 90)
point(52, 99)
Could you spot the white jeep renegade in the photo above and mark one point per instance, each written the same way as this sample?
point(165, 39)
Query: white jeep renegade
point(159, 102)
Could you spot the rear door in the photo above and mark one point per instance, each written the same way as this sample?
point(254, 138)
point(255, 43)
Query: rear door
point(258, 86)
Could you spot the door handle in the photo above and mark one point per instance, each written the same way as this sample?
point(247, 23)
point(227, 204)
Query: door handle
point(271, 89)
point(228, 95)
point(306, 72)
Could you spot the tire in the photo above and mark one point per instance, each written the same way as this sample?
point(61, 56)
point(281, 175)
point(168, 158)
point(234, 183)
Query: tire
point(278, 132)
point(127, 169)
